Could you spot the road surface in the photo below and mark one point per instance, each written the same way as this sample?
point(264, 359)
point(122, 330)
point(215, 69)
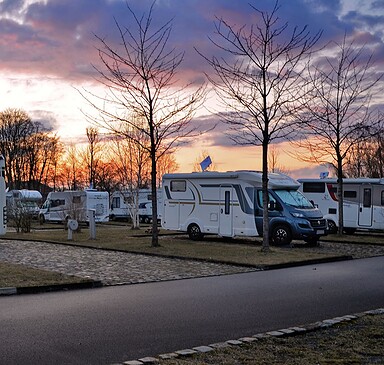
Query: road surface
point(116, 324)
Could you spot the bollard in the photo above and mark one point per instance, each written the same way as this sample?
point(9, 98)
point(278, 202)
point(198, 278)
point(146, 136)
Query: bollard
point(92, 224)
point(72, 225)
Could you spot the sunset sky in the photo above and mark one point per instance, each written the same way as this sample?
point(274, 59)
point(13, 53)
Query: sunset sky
point(48, 47)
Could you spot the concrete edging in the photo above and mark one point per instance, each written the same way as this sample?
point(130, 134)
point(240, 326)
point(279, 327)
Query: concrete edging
point(291, 331)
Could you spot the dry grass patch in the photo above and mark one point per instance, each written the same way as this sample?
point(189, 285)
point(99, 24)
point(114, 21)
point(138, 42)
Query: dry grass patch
point(12, 275)
point(357, 342)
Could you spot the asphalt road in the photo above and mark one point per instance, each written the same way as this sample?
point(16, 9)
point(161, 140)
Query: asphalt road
point(116, 324)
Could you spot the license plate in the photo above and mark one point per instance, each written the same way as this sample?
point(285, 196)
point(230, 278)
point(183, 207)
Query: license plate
point(320, 231)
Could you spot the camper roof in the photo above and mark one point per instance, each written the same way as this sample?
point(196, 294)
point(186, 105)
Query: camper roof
point(276, 180)
point(25, 194)
point(359, 180)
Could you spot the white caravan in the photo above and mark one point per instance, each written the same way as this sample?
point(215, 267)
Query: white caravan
point(23, 201)
point(123, 204)
point(63, 205)
point(363, 205)
point(230, 204)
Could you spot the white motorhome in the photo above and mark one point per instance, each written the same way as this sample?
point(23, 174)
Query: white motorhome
point(23, 201)
point(63, 205)
point(123, 204)
point(230, 204)
point(363, 205)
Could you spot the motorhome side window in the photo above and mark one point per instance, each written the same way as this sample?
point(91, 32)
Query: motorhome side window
point(116, 202)
point(178, 185)
point(314, 187)
point(128, 200)
point(367, 198)
point(260, 198)
point(57, 202)
point(76, 200)
point(350, 194)
point(382, 197)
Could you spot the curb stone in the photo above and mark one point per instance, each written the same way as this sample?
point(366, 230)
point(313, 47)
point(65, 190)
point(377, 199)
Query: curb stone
point(8, 291)
point(291, 331)
point(50, 288)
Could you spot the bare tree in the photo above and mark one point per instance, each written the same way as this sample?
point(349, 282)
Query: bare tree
point(366, 157)
point(166, 164)
point(273, 161)
point(132, 162)
point(140, 76)
point(92, 157)
point(338, 110)
point(258, 80)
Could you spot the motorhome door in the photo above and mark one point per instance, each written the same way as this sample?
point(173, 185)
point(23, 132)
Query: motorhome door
point(225, 209)
point(365, 209)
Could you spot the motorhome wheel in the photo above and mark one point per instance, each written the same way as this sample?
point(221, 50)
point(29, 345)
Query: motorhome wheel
point(281, 235)
point(332, 228)
point(194, 232)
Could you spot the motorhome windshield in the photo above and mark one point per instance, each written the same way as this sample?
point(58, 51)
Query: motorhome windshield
point(294, 198)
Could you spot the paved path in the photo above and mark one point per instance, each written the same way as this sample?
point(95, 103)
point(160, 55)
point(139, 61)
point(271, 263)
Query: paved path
point(114, 268)
point(110, 267)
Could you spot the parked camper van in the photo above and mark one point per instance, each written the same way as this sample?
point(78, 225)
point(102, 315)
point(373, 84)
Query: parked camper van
point(23, 201)
point(63, 205)
point(363, 205)
point(123, 204)
point(230, 204)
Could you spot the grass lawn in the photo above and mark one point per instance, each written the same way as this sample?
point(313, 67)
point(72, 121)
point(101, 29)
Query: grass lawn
point(12, 275)
point(122, 237)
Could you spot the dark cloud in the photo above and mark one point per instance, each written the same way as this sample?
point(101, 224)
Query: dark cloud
point(57, 37)
point(11, 7)
point(47, 119)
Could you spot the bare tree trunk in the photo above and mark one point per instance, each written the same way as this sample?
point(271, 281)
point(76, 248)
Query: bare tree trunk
point(340, 196)
point(265, 247)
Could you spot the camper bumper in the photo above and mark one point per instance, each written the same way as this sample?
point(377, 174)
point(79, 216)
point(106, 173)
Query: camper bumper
point(309, 228)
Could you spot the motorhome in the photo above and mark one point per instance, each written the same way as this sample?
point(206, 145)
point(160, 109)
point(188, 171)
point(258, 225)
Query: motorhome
point(124, 204)
point(363, 202)
point(63, 205)
point(230, 204)
point(23, 201)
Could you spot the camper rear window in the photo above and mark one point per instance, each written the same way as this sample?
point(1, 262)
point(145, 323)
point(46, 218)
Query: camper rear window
point(314, 187)
point(178, 185)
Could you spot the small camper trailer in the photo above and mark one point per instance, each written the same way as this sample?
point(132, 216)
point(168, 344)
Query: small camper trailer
point(63, 205)
point(363, 202)
point(230, 204)
point(124, 204)
point(23, 201)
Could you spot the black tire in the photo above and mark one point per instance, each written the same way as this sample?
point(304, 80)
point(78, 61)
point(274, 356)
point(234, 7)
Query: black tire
point(147, 220)
point(194, 232)
point(41, 219)
point(332, 228)
point(281, 235)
